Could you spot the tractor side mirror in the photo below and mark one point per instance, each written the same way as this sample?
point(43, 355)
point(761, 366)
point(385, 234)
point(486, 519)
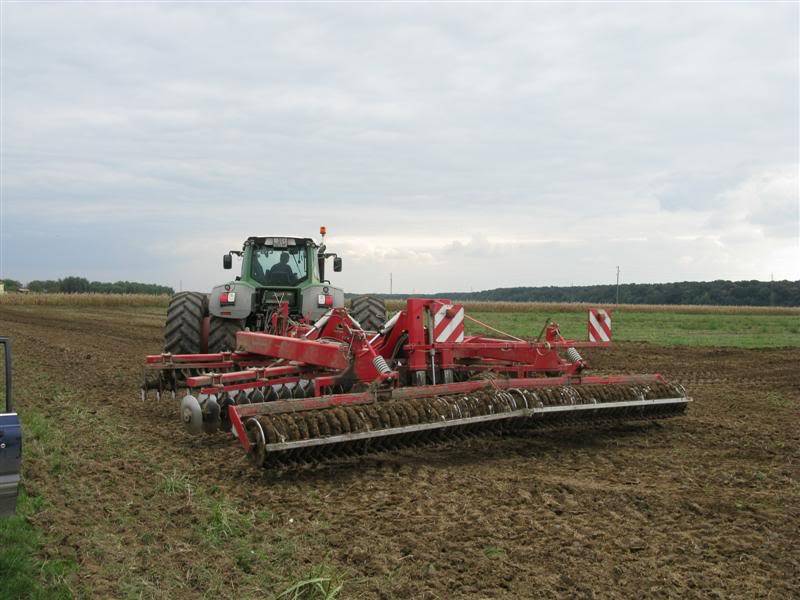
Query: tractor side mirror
point(227, 261)
point(337, 264)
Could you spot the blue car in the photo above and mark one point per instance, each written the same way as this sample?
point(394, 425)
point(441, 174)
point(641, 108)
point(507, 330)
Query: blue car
point(10, 442)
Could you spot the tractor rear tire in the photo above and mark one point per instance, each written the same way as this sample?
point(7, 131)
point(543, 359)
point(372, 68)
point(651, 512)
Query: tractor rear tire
point(184, 328)
point(369, 311)
point(222, 334)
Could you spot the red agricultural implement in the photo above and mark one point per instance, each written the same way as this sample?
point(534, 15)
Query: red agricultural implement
point(308, 391)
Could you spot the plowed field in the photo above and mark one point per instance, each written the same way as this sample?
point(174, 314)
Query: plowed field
point(707, 505)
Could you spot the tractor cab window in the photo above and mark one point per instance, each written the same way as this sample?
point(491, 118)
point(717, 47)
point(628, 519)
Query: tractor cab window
point(279, 266)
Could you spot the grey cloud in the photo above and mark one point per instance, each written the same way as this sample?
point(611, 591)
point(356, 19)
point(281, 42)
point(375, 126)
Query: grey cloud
point(476, 122)
point(696, 192)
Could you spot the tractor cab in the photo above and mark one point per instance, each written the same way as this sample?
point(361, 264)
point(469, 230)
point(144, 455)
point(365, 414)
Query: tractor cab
point(280, 261)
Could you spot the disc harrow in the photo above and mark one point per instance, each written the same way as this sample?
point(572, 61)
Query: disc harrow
point(168, 373)
point(333, 389)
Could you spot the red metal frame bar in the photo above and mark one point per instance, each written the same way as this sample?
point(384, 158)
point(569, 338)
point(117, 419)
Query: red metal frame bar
point(192, 359)
point(311, 352)
point(218, 379)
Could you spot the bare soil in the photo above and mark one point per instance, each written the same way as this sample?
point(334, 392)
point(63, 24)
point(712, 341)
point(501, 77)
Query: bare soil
point(707, 505)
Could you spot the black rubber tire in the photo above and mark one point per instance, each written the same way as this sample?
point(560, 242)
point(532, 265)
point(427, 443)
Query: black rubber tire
point(369, 311)
point(222, 334)
point(183, 330)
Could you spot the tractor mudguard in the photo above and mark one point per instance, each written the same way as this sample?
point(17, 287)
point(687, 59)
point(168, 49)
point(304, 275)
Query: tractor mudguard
point(239, 306)
point(314, 300)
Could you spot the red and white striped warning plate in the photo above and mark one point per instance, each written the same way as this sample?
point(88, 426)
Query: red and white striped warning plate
point(599, 325)
point(448, 322)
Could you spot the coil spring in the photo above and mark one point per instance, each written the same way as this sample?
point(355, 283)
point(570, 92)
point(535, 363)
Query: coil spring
point(380, 364)
point(573, 355)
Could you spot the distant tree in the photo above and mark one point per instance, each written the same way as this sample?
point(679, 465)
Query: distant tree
point(47, 285)
point(11, 285)
point(74, 285)
point(741, 293)
point(80, 285)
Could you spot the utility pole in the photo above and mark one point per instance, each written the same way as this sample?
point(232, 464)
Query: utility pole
point(772, 289)
point(390, 284)
point(617, 284)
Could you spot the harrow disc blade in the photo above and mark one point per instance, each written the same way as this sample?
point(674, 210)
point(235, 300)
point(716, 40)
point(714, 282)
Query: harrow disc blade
point(191, 414)
point(211, 420)
point(315, 435)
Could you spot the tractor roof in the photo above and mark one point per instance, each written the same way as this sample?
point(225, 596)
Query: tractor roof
point(260, 239)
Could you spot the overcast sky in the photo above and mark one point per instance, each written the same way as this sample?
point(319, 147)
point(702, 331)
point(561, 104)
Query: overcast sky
point(456, 146)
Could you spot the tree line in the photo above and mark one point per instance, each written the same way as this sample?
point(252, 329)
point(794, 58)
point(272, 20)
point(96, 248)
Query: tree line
point(720, 292)
point(81, 285)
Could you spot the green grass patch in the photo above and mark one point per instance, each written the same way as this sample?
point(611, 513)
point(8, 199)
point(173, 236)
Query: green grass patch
point(262, 551)
point(176, 484)
point(492, 552)
point(662, 328)
point(22, 573)
point(321, 583)
point(778, 400)
point(225, 520)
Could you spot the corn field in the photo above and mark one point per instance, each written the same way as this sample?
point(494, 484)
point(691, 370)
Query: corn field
point(110, 300)
point(99, 300)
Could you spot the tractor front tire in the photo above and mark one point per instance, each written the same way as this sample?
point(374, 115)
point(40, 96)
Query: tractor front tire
point(222, 334)
point(185, 330)
point(369, 311)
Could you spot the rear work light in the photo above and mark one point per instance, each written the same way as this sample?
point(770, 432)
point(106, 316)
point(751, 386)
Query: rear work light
point(325, 300)
point(227, 298)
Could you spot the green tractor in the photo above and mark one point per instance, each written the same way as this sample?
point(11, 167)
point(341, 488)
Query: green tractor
point(274, 270)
